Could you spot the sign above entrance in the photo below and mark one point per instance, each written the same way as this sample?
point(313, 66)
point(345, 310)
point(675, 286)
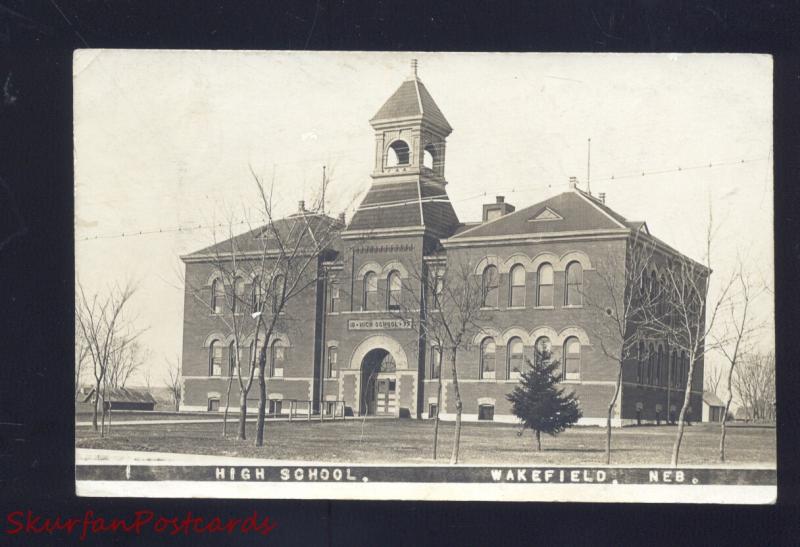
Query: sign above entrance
point(379, 324)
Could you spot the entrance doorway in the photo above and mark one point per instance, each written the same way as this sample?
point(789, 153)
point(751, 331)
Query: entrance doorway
point(378, 384)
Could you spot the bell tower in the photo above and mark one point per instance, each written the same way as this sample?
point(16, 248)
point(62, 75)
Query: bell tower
point(410, 134)
point(408, 176)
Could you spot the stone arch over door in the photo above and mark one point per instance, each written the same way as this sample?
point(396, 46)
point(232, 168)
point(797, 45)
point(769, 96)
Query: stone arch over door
point(379, 341)
point(376, 387)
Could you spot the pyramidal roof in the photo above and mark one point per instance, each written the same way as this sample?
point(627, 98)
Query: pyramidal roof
point(406, 205)
point(410, 100)
point(574, 211)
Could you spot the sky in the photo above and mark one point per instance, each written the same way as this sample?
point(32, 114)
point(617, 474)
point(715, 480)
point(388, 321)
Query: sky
point(169, 139)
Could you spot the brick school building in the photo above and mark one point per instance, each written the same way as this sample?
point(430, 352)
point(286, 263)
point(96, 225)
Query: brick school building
point(355, 341)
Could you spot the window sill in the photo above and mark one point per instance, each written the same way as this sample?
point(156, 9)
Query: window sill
point(515, 308)
point(572, 306)
point(544, 307)
point(489, 308)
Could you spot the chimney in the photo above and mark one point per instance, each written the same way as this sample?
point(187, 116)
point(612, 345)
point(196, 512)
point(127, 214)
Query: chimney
point(342, 218)
point(573, 183)
point(603, 197)
point(497, 209)
point(301, 206)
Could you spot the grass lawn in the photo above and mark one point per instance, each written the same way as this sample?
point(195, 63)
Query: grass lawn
point(410, 441)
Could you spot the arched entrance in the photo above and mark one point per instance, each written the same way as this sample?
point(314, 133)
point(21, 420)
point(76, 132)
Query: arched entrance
point(378, 383)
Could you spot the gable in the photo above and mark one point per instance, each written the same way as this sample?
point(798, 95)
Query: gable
point(545, 214)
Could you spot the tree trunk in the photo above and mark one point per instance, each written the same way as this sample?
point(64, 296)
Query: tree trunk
point(723, 430)
point(96, 402)
point(682, 416)
point(538, 435)
point(262, 400)
point(610, 411)
point(227, 407)
point(457, 438)
point(242, 416)
point(436, 418)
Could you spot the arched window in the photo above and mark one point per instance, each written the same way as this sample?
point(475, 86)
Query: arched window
point(370, 291)
point(394, 289)
point(543, 350)
point(217, 296)
point(659, 365)
point(436, 362)
point(398, 154)
point(428, 157)
point(278, 286)
point(516, 292)
point(232, 358)
point(574, 296)
point(673, 373)
point(255, 294)
point(640, 363)
point(572, 359)
point(388, 364)
point(489, 283)
point(333, 358)
point(487, 359)
point(514, 357)
point(277, 359)
point(238, 294)
point(651, 362)
point(215, 358)
point(544, 285)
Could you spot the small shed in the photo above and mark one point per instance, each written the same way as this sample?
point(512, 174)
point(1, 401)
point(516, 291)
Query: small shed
point(713, 407)
point(121, 398)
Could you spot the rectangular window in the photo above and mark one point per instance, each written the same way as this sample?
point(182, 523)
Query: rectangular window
point(333, 305)
point(213, 405)
point(333, 357)
point(433, 410)
point(436, 363)
point(330, 408)
point(275, 406)
point(486, 412)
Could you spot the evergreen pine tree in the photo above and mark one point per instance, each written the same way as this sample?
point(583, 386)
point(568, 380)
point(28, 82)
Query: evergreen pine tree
point(542, 406)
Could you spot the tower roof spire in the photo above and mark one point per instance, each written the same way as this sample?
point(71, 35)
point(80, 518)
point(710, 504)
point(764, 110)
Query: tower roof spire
point(412, 100)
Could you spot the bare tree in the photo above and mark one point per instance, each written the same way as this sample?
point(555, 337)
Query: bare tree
point(103, 329)
point(452, 298)
point(173, 382)
point(733, 342)
point(687, 318)
point(81, 357)
point(712, 379)
point(280, 260)
point(754, 385)
point(622, 309)
point(290, 264)
point(126, 358)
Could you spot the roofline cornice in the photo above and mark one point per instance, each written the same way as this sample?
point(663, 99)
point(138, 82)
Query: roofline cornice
point(206, 257)
point(534, 238)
